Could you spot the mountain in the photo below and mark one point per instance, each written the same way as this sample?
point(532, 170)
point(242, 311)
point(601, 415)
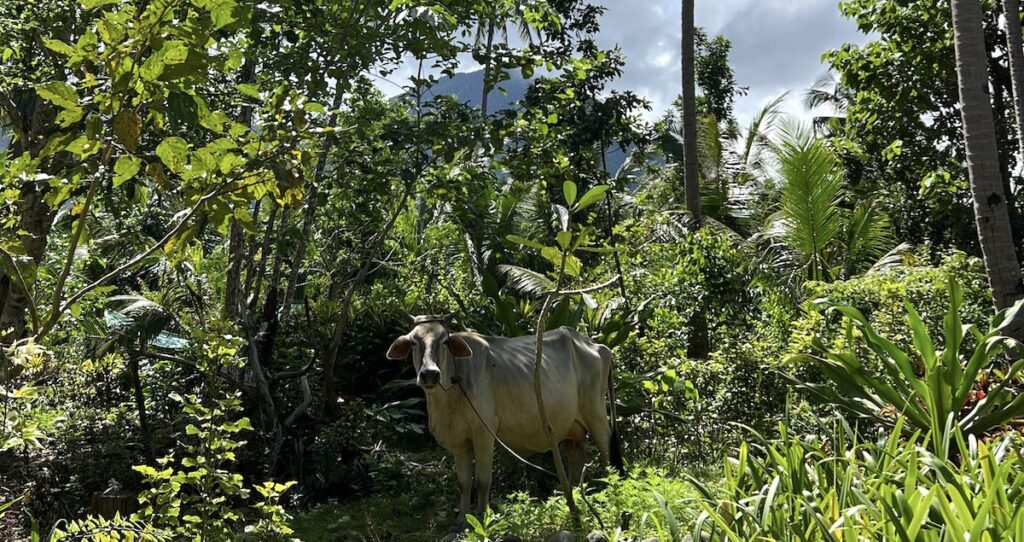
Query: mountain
point(469, 86)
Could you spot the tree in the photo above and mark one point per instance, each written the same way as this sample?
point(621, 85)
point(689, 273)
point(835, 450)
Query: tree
point(990, 212)
point(1011, 10)
point(900, 136)
point(689, 120)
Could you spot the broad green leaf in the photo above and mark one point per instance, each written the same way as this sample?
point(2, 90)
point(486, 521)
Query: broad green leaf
point(58, 93)
point(249, 90)
point(90, 4)
point(70, 116)
point(126, 167)
point(58, 46)
point(564, 238)
point(223, 13)
point(592, 196)
point(173, 152)
point(569, 190)
point(128, 129)
point(174, 52)
point(83, 147)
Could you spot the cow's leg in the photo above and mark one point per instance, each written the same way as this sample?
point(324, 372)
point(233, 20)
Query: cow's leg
point(464, 472)
point(597, 424)
point(577, 452)
point(483, 450)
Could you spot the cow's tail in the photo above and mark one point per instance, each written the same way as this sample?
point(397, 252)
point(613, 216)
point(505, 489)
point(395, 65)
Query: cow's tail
point(615, 445)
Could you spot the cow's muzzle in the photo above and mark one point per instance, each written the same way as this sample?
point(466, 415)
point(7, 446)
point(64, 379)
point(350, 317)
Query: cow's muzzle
point(429, 378)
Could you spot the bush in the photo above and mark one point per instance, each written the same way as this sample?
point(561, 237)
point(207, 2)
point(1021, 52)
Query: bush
point(881, 297)
point(832, 486)
point(683, 408)
point(935, 386)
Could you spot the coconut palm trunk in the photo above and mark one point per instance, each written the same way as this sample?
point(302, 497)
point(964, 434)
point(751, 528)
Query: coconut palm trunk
point(1011, 9)
point(990, 210)
point(689, 112)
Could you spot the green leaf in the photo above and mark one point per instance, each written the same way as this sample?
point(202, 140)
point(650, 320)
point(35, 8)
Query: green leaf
point(174, 52)
point(126, 167)
point(90, 4)
point(525, 242)
point(564, 238)
point(569, 190)
point(128, 129)
point(70, 116)
point(592, 196)
point(58, 46)
point(58, 93)
point(173, 152)
point(249, 90)
point(223, 13)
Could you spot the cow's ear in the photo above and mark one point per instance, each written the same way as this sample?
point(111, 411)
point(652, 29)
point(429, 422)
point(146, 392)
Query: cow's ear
point(459, 347)
point(400, 348)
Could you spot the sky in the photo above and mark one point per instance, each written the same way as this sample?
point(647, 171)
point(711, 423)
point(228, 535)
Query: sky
point(777, 45)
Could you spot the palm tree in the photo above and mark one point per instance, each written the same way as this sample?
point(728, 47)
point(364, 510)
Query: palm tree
point(689, 120)
point(1011, 9)
point(815, 234)
point(990, 210)
point(502, 13)
point(830, 99)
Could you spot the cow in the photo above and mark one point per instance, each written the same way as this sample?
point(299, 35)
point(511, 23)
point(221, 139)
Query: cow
point(478, 387)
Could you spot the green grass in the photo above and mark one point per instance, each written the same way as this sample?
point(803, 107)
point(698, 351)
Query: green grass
point(384, 518)
point(423, 507)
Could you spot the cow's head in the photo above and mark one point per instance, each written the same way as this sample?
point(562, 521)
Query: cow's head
point(433, 349)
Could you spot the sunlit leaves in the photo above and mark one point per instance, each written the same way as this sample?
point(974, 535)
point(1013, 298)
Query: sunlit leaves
point(592, 196)
point(125, 168)
point(173, 152)
point(58, 93)
point(128, 129)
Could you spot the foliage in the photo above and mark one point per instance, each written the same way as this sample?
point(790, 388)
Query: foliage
point(833, 486)
point(900, 135)
point(198, 496)
point(629, 505)
point(934, 387)
point(829, 239)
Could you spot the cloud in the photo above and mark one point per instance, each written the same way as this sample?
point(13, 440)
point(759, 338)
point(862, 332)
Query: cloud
point(777, 45)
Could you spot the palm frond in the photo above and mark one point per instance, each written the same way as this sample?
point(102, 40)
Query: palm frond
point(525, 281)
point(812, 189)
point(867, 236)
point(892, 259)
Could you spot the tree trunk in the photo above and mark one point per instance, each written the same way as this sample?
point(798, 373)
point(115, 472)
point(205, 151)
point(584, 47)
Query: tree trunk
point(484, 98)
point(689, 119)
point(233, 279)
point(1011, 10)
point(309, 215)
point(253, 281)
point(36, 220)
point(990, 210)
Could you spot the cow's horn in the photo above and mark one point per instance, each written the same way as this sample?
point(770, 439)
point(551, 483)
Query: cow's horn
point(408, 317)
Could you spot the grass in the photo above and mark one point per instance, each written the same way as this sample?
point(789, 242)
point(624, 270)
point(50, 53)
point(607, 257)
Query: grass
point(423, 506)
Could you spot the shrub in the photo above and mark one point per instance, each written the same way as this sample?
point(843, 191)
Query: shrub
point(835, 487)
point(934, 387)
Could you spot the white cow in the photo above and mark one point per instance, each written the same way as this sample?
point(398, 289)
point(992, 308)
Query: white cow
point(496, 374)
